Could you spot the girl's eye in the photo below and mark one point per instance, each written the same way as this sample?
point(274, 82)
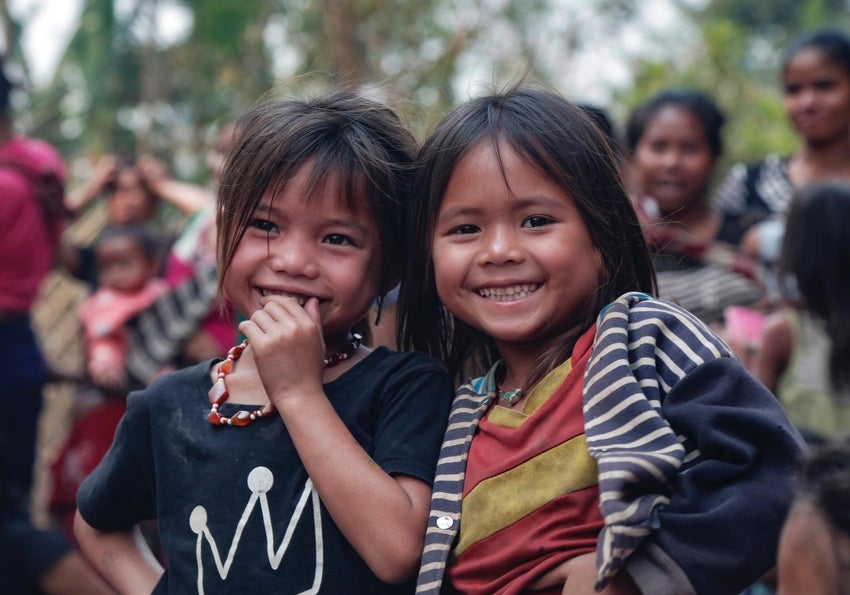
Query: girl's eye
point(262, 225)
point(466, 228)
point(825, 85)
point(337, 239)
point(536, 221)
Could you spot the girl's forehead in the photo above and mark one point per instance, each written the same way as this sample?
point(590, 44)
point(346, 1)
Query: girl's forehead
point(815, 58)
point(329, 197)
point(124, 244)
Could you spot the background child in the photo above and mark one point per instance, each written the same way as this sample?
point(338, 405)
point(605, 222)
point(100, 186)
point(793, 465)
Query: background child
point(635, 441)
point(805, 354)
point(128, 259)
point(814, 552)
point(674, 140)
point(303, 461)
point(754, 199)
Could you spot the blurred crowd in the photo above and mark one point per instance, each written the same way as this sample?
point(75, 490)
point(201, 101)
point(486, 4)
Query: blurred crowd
point(759, 252)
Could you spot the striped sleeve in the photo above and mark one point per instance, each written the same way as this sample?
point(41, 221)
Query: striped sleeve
point(444, 519)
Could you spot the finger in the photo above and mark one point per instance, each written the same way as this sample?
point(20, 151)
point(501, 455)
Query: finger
point(271, 319)
point(312, 309)
point(290, 304)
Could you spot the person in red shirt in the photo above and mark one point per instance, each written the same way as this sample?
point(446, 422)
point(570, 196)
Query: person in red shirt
point(29, 236)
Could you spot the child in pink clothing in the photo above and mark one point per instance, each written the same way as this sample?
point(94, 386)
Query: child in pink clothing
point(128, 260)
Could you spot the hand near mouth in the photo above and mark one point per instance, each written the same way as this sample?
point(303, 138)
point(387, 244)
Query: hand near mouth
point(288, 346)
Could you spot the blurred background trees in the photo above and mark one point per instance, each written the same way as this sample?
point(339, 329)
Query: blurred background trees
point(158, 75)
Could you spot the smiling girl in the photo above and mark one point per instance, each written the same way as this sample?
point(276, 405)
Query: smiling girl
point(612, 441)
point(674, 139)
point(302, 462)
point(753, 199)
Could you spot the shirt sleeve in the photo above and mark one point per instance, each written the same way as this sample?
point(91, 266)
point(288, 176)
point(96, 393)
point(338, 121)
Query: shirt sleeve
point(412, 420)
point(119, 493)
point(728, 505)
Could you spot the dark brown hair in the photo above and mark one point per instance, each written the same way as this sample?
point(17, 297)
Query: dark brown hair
point(561, 141)
point(358, 143)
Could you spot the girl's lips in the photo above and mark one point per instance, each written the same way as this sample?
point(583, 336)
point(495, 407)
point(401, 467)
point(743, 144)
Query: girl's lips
point(300, 298)
point(508, 292)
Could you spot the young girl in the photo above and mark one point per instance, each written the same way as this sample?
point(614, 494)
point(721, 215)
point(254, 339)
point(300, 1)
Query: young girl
point(753, 199)
point(303, 461)
point(611, 428)
point(674, 139)
point(805, 353)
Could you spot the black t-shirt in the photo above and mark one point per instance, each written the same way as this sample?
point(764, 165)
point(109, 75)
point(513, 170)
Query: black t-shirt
point(235, 508)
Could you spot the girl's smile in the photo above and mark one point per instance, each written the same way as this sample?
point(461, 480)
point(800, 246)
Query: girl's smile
point(512, 255)
point(509, 292)
point(301, 298)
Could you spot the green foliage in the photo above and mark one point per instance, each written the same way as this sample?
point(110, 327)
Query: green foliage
point(119, 90)
point(736, 60)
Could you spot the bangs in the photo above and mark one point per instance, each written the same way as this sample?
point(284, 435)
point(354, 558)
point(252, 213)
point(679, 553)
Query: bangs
point(328, 179)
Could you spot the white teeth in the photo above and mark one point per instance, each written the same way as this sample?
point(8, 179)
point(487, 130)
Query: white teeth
point(299, 298)
point(512, 292)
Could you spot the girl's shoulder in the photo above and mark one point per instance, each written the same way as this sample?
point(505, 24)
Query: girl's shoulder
point(192, 379)
point(385, 364)
point(386, 357)
point(647, 322)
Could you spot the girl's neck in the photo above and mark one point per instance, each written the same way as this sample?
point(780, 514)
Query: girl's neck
point(818, 161)
point(518, 364)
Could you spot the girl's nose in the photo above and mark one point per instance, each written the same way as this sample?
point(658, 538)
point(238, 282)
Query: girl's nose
point(671, 158)
point(293, 256)
point(501, 246)
point(808, 97)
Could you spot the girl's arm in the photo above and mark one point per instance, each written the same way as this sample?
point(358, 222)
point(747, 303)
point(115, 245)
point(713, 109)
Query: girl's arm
point(121, 558)
point(383, 517)
point(774, 353)
point(188, 198)
point(102, 174)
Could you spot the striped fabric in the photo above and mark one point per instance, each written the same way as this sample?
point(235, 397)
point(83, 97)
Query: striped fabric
point(772, 186)
point(642, 348)
point(156, 334)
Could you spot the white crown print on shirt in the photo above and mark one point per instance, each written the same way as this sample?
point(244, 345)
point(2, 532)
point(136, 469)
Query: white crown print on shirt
point(260, 481)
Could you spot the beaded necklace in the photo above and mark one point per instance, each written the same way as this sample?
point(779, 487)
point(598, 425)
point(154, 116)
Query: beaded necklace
point(218, 393)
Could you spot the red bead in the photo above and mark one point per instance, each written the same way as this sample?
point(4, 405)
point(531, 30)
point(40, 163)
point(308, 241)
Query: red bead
point(225, 367)
point(214, 418)
point(218, 393)
point(243, 418)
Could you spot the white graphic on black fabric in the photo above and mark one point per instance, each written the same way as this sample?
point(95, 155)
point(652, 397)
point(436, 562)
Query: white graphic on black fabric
point(260, 481)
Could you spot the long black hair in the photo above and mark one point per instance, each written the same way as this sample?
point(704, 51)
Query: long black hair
point(816, 255)
point(563, 143)
point(833, 43)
